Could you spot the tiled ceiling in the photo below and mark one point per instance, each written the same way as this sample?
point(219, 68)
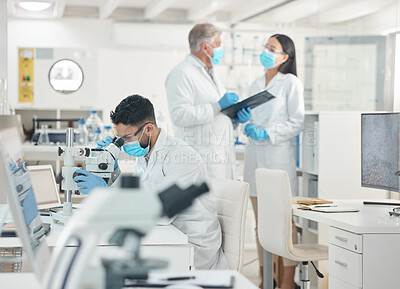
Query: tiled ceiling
point(187, 11)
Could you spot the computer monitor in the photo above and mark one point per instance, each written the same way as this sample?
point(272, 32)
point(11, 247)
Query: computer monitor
point(16, 181)
point(380, 150)
point(45, 187)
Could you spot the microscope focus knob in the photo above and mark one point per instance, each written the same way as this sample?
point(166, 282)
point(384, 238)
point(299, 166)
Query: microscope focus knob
point(60, 151)
point(103, 166)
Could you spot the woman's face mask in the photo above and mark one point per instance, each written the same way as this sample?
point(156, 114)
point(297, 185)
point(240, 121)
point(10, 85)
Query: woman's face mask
point(269, 56)
point(134, 148)
point(268, 59)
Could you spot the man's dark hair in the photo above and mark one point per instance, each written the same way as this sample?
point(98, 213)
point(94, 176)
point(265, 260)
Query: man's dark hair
point(133, 110)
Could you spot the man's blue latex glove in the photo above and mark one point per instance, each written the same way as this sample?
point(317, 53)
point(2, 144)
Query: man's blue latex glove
point(105, 141)
point(228, 99)
point(243, 115)
point(255, 132)
point(87, 181)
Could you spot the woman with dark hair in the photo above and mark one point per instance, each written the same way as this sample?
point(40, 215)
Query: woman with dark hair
point(274, 126)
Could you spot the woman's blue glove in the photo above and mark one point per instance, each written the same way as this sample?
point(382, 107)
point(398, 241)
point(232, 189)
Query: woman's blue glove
point(255, 132)
point(105, 141)
point(87, 181)
point(228, 99)
point(243, 115)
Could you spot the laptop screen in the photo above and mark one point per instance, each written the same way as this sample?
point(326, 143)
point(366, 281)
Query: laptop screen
point(22, 202)
point(44, 186)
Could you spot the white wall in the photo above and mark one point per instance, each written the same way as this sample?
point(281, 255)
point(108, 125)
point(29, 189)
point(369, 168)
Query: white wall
point(136, 58)
point(125, 64)
point(125, 72)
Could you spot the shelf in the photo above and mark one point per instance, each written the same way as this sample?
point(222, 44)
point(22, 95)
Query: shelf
point(312, 231)
point(23, 107)
point(307, 171)
point(298, 225)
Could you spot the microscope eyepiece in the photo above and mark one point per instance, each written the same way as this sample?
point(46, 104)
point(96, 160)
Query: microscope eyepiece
point(119, 142)
point(175, 200)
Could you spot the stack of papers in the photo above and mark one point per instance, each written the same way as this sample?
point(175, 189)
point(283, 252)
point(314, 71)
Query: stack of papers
point(329, 209)
point(210, 279)
point(309, 201)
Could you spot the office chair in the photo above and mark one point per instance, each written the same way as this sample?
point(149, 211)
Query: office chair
point(230, 198)
point(275, 222)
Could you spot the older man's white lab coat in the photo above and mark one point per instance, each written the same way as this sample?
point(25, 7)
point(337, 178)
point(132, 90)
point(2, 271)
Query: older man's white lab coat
point(192, 95)
point(283, 119)
point(172, 161)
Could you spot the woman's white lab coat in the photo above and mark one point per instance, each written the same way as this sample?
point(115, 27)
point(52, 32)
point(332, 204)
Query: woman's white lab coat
point(191, 95)
point(283, 119)
point(174, 162)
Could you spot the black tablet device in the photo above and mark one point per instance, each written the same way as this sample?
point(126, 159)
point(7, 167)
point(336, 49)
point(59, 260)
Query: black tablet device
point(252, 102)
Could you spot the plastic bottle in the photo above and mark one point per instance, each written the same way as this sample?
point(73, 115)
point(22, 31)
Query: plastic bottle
point(108, 131)
point(82, 133)
point(93, 123)
point(97, 135)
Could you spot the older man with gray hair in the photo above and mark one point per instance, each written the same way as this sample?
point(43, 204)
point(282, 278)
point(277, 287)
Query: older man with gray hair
point(195, 100)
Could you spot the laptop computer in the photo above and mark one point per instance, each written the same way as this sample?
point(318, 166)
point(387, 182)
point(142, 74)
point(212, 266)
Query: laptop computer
point(44, 186)
point(22, 202)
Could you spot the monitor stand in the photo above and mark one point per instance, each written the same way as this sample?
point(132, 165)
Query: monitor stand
point(383, 203)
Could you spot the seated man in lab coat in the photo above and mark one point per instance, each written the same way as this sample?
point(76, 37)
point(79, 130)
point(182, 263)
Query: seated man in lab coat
point(162, 161)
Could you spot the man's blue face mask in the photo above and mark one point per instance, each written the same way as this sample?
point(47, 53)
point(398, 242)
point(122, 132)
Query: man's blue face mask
point(134, 148)
point(218, 53)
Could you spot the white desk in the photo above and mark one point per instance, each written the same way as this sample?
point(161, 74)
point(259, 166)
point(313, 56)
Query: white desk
point(22, 280)
point(364, 247)
point(162, 242)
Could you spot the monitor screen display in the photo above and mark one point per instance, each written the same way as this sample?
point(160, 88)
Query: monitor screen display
point(15, 177)
point(380, 150)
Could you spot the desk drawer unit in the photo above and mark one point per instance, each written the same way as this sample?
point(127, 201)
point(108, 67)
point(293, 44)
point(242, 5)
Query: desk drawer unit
point(345, 265)
point(339, 284)
point(346, 240)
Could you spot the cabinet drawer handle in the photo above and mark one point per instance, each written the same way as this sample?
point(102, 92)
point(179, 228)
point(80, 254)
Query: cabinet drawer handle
point(343, 264)
point(343, 239)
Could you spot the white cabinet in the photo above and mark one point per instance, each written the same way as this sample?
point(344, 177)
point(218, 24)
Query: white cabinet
point(329, 167)
point(363, 261)
point(27, 114)
point(346, 240)
point(337, 283)
point(345, 265)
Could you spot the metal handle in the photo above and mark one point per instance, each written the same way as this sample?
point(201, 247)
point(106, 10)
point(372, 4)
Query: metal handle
point(343, 264)
point(343, 239)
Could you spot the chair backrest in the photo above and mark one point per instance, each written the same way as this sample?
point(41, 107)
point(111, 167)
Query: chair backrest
point(274, 200)
point(230, 198)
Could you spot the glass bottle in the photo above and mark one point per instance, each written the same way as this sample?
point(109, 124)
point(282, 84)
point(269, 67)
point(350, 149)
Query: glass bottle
point(108, 131)
point(97, 135)
point(44, 138)
point(93, 123)
point(82, 137)
point(5, 106)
